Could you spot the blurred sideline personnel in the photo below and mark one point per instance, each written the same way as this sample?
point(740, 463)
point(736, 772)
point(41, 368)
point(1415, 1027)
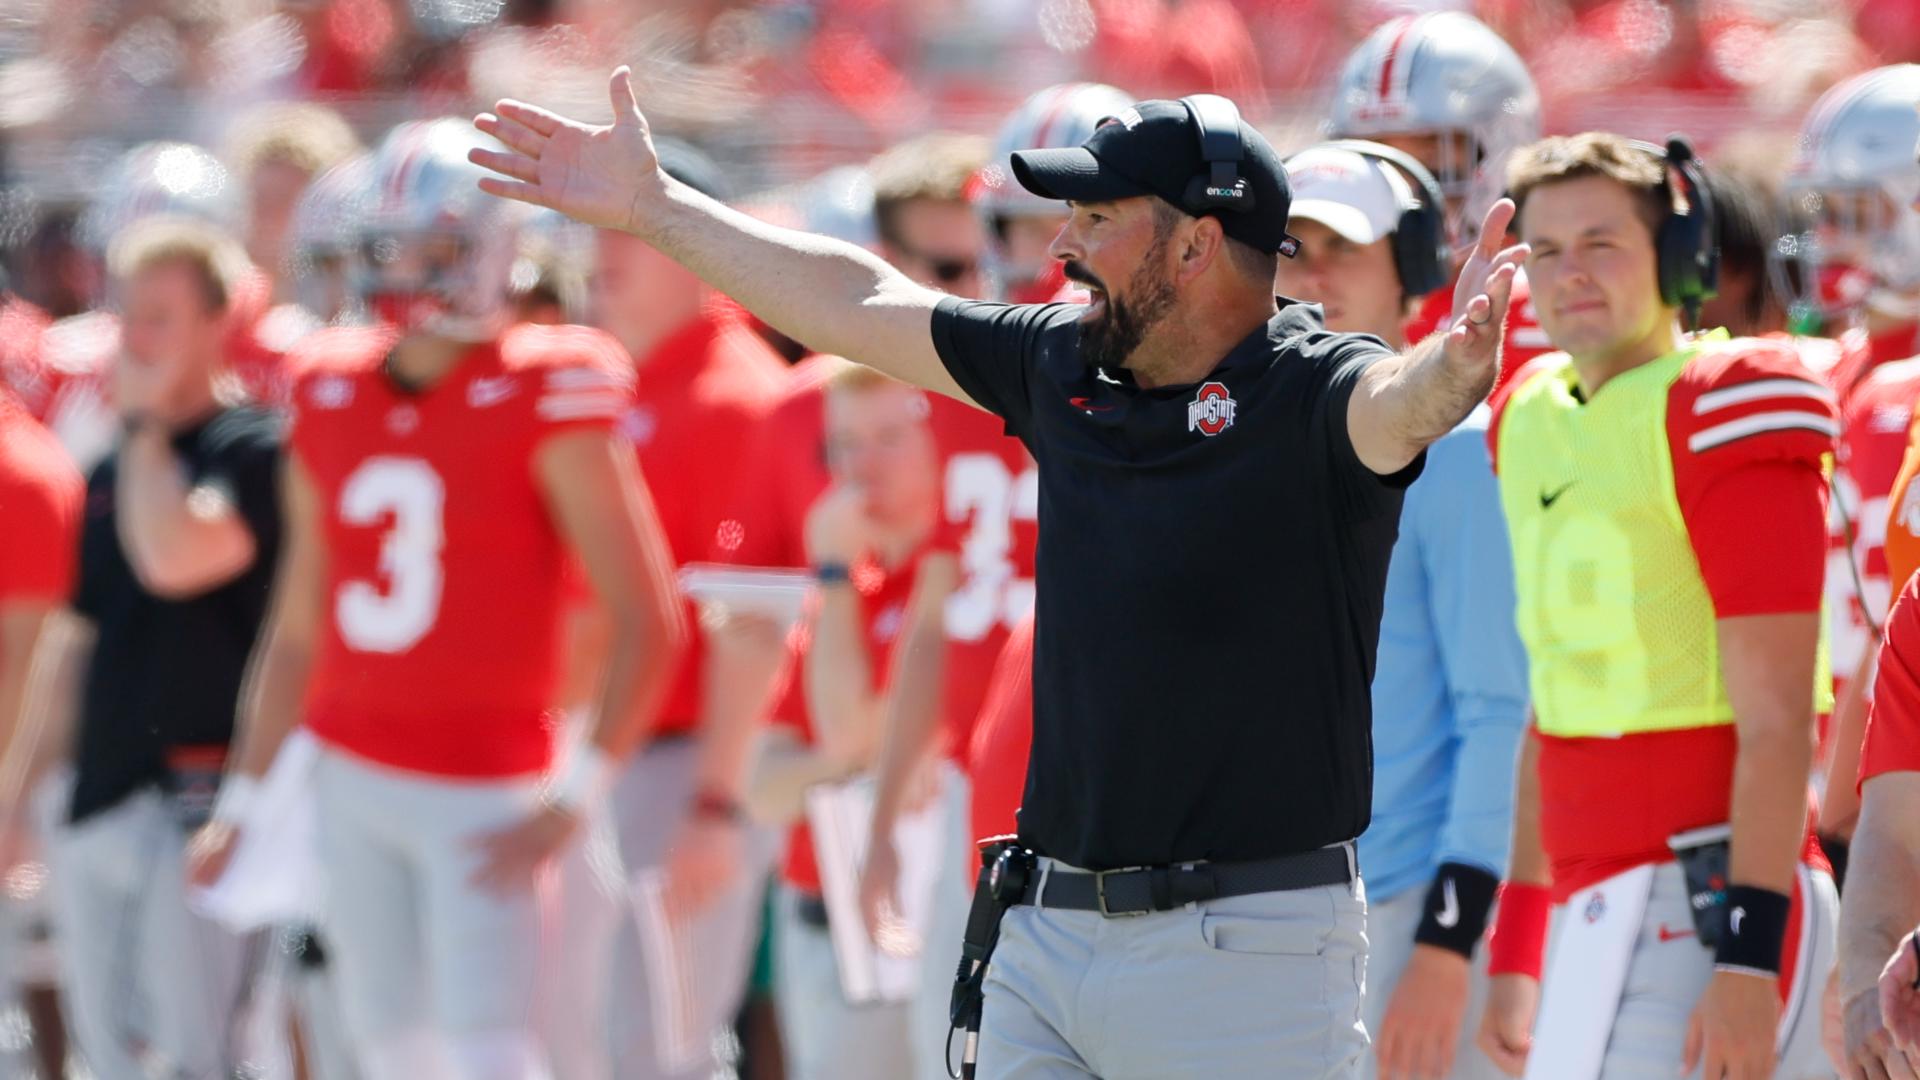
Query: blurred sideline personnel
point(1447, 90)
point(1674, 649)
point(1859, 163)
point(277, 151)
point(965, 596)
point(1450, 686)
point(322, 242)
point(42, 495)
point(74, 370)
point(704, 378)
point(177, 551)
point(416, 618)
point(865, 538)
point(1879, 956)
point(976, 581)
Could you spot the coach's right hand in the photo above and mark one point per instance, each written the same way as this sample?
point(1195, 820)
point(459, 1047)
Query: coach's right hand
point(1506, 1029)
point(600, 174)
point(209, 852)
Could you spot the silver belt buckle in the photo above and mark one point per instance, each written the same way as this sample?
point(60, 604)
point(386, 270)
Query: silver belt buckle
point(1100, 892)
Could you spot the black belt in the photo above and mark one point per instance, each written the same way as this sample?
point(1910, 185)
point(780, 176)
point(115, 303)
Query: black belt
point(1140, 890)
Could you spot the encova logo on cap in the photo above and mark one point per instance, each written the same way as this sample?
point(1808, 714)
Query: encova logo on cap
point(1211, 410)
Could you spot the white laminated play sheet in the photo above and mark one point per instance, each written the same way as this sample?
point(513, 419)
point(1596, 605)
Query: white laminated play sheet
point(775, 594)
point(839, 816)
point(274, 876)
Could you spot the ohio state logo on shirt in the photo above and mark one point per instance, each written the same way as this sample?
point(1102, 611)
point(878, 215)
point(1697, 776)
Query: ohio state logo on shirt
point(1211, 410)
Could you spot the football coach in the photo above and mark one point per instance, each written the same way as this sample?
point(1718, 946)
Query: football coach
point(1220, 486)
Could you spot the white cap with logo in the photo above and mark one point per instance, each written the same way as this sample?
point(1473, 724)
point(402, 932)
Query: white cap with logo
point(1352, 194)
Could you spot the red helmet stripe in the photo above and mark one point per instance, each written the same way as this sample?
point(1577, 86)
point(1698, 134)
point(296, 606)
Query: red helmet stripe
point(1387, 62)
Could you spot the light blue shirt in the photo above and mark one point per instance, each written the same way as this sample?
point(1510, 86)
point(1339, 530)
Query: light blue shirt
point(1450, 689)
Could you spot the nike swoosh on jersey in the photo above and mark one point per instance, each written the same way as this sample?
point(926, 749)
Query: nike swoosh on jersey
point(1667, 935)
point(1734, 919)
point(1449, 916)
point(1547, 501)
point(1081, 403)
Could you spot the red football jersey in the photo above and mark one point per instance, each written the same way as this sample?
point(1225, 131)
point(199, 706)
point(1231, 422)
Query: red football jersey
point(697, 392)
point(21, 327)
point(40, 502)
point(989, 511)
point(1524, 341)
point(445, 570)
point(1893, 720)
point(883, 613)
point(1873, 441)
point(1003, 738)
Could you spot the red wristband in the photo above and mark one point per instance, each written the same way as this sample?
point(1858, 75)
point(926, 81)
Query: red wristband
point(1519, 942)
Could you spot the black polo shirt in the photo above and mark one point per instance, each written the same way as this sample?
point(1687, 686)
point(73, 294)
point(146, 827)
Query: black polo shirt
point(1211, 565)
point(165, 674)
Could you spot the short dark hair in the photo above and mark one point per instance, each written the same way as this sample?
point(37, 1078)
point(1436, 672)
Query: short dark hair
point(1561, 158)
point(1250, 261)
point(1746, 219)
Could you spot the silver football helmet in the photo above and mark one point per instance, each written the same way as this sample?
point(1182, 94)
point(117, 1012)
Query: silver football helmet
point(436, 252)
point(173, 178)
point(1854, 184)
point(1448, 75)
point(323, 238)
point(1059, 116)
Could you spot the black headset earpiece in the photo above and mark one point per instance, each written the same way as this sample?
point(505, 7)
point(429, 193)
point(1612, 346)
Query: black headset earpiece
point(1421, 254)
point(1221, 187)
point(1686, 243)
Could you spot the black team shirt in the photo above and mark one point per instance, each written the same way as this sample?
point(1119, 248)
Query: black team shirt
point(1211, 565)
point(165, 674)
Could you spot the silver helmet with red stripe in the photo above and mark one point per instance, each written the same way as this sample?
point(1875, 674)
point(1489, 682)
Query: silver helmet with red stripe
point(173, 178)
point(1059, 116)
point(1855, 183)
point(1447, 76)
point(436, 252)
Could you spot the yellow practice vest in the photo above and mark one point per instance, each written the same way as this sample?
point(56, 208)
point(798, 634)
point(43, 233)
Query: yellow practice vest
point(1619, 628)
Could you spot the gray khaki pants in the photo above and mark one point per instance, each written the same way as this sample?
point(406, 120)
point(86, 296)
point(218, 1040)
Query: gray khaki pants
point(1390, 927)
point(137, 967)
point(1249, 986)
point(598, 1012)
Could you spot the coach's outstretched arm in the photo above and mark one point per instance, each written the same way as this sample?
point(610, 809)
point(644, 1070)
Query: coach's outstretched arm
point(831, 296)
point(1402, 405)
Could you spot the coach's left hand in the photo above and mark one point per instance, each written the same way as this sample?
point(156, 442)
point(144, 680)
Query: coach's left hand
point(1481, 293)
point(1733, 1028)
point(510, 857)
point(1421, 1032)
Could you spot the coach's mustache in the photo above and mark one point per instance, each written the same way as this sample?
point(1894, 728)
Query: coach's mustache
point(1076, 272)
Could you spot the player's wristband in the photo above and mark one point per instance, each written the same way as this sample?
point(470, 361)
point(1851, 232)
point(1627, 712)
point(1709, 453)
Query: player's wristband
point(586, 781)
point(1756, 927)
point(238, 793)
point(1458, 903)
point(832, 573)
point(1519, 942)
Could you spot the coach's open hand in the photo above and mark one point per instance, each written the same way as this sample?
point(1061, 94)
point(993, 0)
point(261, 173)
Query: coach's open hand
point(1481, 293)
point(1402, 405)
point(601, 174)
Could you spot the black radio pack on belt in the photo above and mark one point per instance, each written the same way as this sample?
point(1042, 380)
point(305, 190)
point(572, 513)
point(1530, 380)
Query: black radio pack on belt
point(1005, 869)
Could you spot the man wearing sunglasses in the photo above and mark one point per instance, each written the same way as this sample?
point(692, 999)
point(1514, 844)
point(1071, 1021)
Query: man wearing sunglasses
point(926, 226)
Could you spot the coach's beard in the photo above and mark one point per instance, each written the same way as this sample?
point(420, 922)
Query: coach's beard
point(1107, 340)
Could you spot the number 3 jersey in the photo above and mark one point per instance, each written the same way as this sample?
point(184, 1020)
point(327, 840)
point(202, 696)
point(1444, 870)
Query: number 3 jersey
point(1686, 490)
point(445, 571)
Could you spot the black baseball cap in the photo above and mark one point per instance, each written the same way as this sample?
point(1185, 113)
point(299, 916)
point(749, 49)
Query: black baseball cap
point(1153, 148)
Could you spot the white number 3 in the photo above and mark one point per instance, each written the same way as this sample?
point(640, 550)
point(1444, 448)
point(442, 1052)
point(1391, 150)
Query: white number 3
point(409, 496)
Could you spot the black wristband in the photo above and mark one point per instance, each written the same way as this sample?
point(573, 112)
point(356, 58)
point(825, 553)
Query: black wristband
point(833, 573)
point(1756, 927)
point(1457, 906)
